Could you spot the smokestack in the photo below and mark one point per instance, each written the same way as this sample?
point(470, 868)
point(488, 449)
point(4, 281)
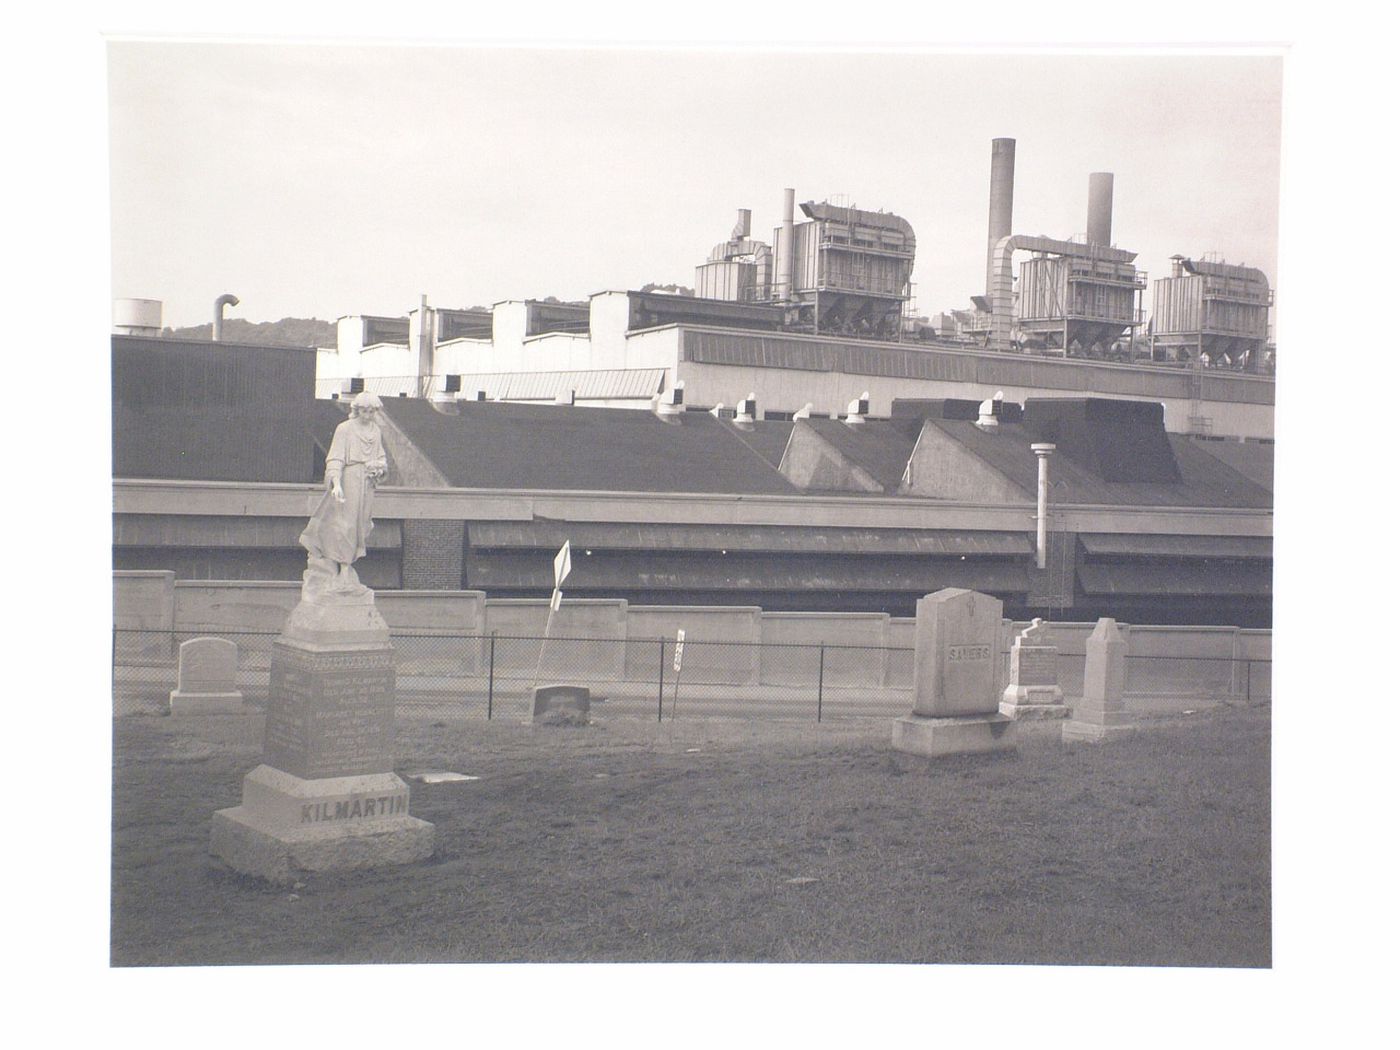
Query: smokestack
point(219, 304)
point(1003, 187)
point(1101, 208)
point(786, 248)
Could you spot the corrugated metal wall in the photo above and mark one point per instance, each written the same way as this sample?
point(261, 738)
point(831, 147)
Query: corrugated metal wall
point(784, 352)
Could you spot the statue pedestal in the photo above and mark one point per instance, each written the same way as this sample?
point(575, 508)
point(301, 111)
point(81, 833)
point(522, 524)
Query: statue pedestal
point(325, 797)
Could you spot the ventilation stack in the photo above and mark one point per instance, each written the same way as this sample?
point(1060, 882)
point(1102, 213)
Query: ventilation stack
point(1100, 230)
point(1003, 187)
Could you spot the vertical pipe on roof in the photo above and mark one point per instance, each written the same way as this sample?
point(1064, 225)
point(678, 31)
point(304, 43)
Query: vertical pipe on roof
point(1003, 188)
point(227, 299)
point(1042, 500)
point(1101, 208)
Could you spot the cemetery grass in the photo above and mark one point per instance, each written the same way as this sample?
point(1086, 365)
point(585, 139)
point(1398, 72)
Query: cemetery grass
point(726, 841)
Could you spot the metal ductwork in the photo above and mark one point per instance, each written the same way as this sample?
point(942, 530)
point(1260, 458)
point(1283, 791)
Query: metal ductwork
point(1100, 229)
point(226, 299)
point(1003, 188)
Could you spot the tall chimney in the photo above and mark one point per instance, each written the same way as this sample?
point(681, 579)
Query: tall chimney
point(1101, 208)
point(786, 248)
point(1003, 185)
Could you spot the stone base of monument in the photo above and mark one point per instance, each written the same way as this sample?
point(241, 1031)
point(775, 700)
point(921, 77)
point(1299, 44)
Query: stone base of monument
point(287, 825)
point(207, 703)
point(326, 797)
point(1030, 702)
point(560, 705)
point(963, 735)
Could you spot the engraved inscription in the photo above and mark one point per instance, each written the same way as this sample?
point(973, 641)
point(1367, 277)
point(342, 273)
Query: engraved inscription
point(355, 808)
point(965, 653)
point(330, 714)
point(1034, 666)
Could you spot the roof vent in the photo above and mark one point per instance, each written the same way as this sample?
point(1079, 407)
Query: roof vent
point(671, 404)
point(747, 411)
point(988, 411)
point(858, 409)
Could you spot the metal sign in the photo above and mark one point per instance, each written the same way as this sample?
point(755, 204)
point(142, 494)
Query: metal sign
point(562, 565)
point(680, 648)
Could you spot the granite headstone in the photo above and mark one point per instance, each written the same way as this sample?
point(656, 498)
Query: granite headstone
point(206, 682)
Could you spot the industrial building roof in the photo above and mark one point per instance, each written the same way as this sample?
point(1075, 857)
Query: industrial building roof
point(504, 445)
point(881, 448)
point(1205, 480)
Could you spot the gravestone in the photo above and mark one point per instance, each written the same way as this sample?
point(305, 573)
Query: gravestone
point(561, 705)
point(1101, 713)
point(1034, 689)
point(955, 691)
point(325, 797)
point(207, 682)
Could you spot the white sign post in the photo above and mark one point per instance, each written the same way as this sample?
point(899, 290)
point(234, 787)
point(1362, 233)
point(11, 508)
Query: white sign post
point(676, 666)
point(562, 564)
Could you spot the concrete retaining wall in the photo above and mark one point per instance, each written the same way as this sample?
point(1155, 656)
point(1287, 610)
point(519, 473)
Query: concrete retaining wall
point(447, 633)
point(788, 659)
point(721, 642)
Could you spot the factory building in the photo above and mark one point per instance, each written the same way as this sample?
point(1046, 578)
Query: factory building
point(821, 315)
point(852, 513)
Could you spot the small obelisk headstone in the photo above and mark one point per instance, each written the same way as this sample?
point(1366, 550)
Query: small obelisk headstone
point(955, 692)
point(1101, 712)
point(1034, 689)
point(326, 797)
point(207, 682)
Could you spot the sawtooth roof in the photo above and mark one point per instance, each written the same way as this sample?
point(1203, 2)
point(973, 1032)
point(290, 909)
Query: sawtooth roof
point(505, 445)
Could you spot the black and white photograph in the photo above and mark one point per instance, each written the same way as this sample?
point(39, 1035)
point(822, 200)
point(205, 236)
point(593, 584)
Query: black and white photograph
point(584, 508)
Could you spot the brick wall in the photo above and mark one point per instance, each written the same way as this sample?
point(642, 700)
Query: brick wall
point(432, 555)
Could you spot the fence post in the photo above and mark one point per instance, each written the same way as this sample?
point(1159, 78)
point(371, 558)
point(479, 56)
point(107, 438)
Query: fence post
point(661, 680)
point(490, 675)
point(821, 676)
point(1248, 684)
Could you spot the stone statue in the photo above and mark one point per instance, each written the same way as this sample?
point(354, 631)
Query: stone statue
point(340, 520)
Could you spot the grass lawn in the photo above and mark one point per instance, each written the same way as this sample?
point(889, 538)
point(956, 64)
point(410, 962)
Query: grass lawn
point(726, 841)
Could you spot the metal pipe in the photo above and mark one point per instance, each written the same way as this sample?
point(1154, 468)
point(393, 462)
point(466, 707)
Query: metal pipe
point(224, 300)
point(1042, 500)
point(1100, 229)
point(786, 248)
point(1003, 189)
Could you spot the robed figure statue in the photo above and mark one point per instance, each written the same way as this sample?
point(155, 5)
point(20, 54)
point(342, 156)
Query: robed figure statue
point(340, 520)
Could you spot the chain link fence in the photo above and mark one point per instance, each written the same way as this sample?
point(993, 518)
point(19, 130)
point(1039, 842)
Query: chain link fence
point(489, 676)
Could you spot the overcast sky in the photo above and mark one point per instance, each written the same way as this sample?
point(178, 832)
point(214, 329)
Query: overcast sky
point(319, 181)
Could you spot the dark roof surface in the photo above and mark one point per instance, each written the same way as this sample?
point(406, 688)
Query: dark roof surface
point(504, 445)
point(879, 447)
point(1205, 480)
point(1253, 459)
